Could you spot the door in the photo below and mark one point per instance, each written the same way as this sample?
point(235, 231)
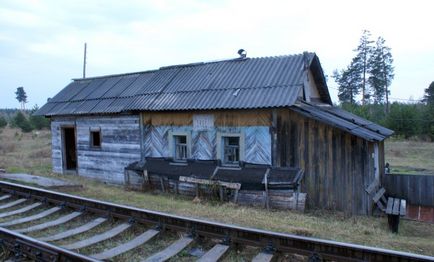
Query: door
point(69, 149)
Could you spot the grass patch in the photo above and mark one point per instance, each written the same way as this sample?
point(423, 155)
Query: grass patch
point(30, 156)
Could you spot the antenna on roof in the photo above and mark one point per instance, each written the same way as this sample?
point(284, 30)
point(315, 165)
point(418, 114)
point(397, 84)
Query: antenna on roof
point(84, 60)
point(242, 53)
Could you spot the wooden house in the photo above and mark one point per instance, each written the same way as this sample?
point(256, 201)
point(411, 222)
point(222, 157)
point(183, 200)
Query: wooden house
point(273, 111)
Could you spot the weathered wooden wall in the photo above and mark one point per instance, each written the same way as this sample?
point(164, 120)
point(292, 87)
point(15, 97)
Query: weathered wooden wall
point(254, 125)
point(120, 145)
point(337, 164)
point(416, 189)
point(222, 118)
point(56, 141)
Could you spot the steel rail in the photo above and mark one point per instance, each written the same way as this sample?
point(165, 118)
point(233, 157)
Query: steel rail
point(279, 242)
point(37, 250)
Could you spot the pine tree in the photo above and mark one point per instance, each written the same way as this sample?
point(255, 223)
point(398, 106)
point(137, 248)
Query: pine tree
point(21, 97)
point(428, 98)
point(349, 82)
point(381, 72)
point(361, 62)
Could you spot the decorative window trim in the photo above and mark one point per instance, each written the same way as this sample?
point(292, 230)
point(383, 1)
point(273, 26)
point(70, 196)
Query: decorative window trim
point(220, 147)
point(172, 144)
point(93, 130)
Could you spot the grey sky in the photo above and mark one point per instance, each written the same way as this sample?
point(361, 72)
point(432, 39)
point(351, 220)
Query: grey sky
point(41, 42)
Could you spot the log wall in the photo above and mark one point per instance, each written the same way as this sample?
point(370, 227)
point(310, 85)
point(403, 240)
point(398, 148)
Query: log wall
point(338, 166)
point(120, 145)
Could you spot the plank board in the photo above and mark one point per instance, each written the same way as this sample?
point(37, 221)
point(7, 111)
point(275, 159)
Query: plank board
point(99, 238)
point(13, 203)
point(56, 222)
point(389, 205)
point(20, 211)
point(263, 257)
point(31, 218)
point(75, 231)
point(403, 210)
point(396, 204)
point(4, 197)
point(379, 194)
point(171, 250)
point(140, 240)
point(214, 254)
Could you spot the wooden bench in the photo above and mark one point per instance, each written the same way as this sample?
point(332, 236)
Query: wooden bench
point(393, 207)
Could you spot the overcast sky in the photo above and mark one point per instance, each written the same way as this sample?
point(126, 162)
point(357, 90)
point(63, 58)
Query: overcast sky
point(41, 42)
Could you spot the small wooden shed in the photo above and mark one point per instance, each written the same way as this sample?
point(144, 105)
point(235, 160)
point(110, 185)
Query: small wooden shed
point(273, 111)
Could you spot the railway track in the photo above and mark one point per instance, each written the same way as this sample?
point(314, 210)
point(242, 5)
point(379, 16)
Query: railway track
point(42, 210)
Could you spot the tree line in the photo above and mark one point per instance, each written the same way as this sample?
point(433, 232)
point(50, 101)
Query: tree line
point(23, 119)
point(406, 119)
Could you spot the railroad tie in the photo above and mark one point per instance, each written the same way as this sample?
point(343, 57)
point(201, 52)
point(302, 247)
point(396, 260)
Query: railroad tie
point(99, 238)
point(214, 254)
point(139, 240)
point(13, 203)
point(4, 197)
point(75, 231)
point(56, 222)
point(263, 257)
point(21, 210)
point(31, 218)
point(171, 250)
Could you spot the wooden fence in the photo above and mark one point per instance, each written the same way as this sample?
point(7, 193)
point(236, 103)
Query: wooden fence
point(416, 189)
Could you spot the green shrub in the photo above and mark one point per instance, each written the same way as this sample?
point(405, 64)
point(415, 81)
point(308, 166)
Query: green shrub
point(3, 122)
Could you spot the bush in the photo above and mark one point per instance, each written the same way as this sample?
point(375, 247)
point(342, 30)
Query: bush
point(3, 122)
point(21, 121)
point(39, 122)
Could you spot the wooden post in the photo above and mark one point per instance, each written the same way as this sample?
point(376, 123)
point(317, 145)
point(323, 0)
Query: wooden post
point(236, 196)
point(267, 204)
point(274, 151)
point(162, 184)
point(146, 180)
point(221, 193)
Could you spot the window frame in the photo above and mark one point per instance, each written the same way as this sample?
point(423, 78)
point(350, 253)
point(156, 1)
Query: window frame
point(221, 138)
point(92, 131)
point(173, 145)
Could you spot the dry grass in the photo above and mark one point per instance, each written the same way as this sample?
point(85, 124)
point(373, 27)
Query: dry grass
point(372, 231)
point(413, 157)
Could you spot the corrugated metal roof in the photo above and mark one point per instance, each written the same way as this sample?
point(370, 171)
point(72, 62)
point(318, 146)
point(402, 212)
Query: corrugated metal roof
point(229, 84)
point(343, 120)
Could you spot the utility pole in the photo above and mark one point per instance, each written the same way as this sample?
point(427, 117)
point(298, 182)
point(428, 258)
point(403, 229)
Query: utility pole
point(84, 60)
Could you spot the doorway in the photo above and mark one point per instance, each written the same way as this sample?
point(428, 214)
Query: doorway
point(69, 149)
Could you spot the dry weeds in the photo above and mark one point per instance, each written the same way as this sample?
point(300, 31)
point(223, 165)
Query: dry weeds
point(372, 231)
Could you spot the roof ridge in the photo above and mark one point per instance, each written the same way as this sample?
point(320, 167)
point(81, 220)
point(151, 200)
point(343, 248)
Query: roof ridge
point(190, 65)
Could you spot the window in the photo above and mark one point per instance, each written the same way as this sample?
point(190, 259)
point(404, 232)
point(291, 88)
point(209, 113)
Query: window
point(231, 150)
point(95, 138)
point(181, 148)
